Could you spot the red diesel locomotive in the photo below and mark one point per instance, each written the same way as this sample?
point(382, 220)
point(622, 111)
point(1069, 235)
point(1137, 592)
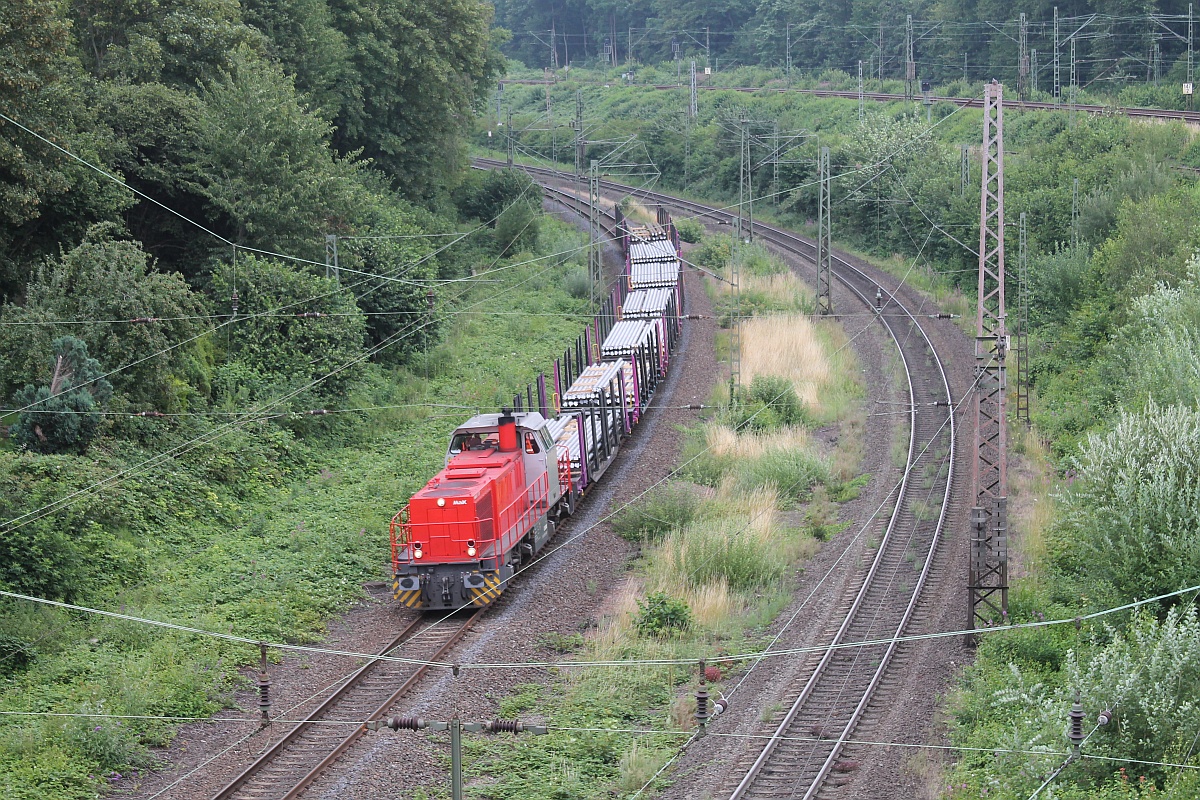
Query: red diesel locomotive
point(470, 528)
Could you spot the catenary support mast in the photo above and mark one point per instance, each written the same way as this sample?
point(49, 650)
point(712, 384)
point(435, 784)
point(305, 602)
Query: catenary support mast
point(988, 570)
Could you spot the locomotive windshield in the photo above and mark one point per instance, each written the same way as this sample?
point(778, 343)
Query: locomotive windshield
point(473, 441)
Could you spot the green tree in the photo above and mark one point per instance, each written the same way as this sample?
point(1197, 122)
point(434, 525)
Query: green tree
point(93, 291)
point(45, 197)
point(272, 350)
point(63, 416)
point(262, 163)
point(420, 68)
point(400, 304)
point(304, 40)
point(174, 42)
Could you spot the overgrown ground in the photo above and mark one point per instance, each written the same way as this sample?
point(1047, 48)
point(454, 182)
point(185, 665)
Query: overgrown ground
point(753, 494)
point(266, 533)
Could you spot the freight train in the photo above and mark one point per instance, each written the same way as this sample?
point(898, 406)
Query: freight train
point(510, 477)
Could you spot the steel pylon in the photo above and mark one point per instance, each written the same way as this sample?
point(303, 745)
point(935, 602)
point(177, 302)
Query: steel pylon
point(988, 572)
point(824, 259)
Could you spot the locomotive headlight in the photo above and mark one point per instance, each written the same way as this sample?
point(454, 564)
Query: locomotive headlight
point(417, 550)
point(470, 547)
point(441, 502)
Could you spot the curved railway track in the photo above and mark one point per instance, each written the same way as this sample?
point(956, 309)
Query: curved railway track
point(1192, 117)
point(832, 693)
point(287, 767)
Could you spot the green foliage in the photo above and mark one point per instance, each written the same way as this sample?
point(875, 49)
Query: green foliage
point(517, 228)
point(418, 69)
point(714, 253)
point(659, 615)
point(767, 403)
point(1147, 675)
point(657, 513)
point(172, 43)
point(1131, 522)
point(64, 416)
point(45, 197)
point(280, 350)
point(483, 195)
point(401, 304)
point(577, 283)
point(100, 286)
point(261, 161)
point(690, 230)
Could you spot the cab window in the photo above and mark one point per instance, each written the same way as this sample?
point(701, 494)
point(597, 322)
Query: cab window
point(531, 444)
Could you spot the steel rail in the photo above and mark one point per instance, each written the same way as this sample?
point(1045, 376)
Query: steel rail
point(805, 249)
point(799, 246)
point(293, 787)
point(763, 759)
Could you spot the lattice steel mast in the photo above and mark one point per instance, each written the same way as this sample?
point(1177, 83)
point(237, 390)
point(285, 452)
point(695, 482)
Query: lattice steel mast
point(824, 260)
point(910, 64)
point(988, 571)
point(1023, 325)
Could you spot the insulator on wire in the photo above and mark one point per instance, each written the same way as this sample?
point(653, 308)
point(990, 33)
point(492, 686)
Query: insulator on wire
point(149, 414)
point(513, 726)
point(310, 314)
point(317, 412)
point(702, 714)
point(144, 319)
point(1075, 729)
point(406, 723)
point(233, 302)
point(264, 685)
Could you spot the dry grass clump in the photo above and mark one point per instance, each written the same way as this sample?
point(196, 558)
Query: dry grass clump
point(724, 442)
point(786, 346)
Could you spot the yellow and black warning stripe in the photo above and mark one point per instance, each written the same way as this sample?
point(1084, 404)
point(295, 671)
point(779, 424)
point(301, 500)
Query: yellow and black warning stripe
point(491, 589)
point(410, 598)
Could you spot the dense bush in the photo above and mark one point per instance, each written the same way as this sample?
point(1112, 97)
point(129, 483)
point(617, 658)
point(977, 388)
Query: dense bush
point(659, 615)
point(658, 513)
point(690, 230)
point(92, 292)
point(1131, 521)
point(287, 351)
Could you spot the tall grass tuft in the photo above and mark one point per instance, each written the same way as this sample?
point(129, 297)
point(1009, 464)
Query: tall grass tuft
point(788, 347)
point(782, 460)
point(713, 551)
point(653, 516)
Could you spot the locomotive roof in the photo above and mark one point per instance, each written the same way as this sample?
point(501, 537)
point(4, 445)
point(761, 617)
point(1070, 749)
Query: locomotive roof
point(487, 422)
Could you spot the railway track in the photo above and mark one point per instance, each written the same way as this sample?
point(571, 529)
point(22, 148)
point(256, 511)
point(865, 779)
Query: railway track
point(833, 692)
point(287, 767)
point(1192, 117)
point(833, 695)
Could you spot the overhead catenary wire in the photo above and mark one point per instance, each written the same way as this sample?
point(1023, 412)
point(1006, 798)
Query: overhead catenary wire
point(615, 663)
